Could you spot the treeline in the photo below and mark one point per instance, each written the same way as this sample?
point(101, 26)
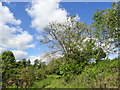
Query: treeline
point(21, 73)
point(78, 43)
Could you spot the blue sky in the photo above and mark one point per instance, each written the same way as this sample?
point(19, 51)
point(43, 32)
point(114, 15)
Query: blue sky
point(84, 10)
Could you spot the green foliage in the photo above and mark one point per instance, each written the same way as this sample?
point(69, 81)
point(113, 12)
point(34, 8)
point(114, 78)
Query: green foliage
point(26, 77)
point(28, 62)
point(104, 74)
point(53, 66)
point(71, 67)
point(19, 74)
point(36, 62)
point(24, 63)
point(8, 57)
point(8, 61)
point(107, 23)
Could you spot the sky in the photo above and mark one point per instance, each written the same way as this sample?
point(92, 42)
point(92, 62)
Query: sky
point(22, 23)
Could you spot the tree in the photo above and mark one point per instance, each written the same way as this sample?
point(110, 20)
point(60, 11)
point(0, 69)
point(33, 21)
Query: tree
point(74, 40)
point(8, 60)
point(36, 62)
point(106, 26)
point(43, 65)
point(8, 57)
point(68, 37)
point(28, 62)
point(24, 62)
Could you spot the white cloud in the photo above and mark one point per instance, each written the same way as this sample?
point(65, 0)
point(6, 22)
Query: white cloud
point(44, 12)
point(13, 37)
point(6, 16)
point(18, 41)
point(19, 54)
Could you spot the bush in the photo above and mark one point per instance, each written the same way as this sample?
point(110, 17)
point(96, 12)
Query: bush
point(101, 75)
